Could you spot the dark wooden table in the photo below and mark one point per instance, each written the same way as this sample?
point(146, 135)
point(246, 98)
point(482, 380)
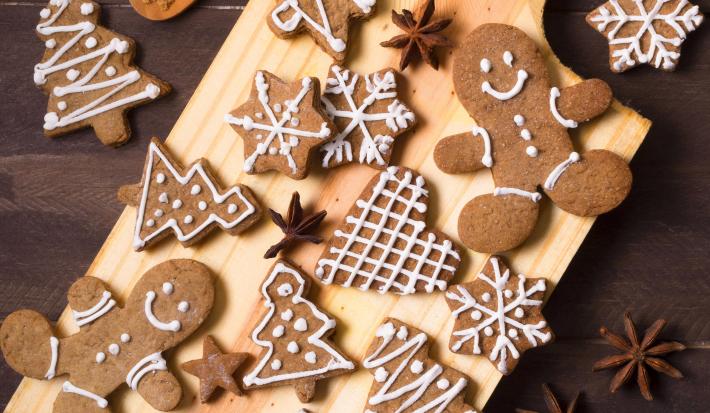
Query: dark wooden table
point(651, 256)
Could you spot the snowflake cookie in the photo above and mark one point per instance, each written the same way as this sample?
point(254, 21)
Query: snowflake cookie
point(114, 345)
point(406, 378)
point(327, 21)
point(281, 124)
point(87, 73)
point(645, 31)
point(384, 242)
point(188, 201)
point(498, 316)
point(294, 335)
point(368, 115)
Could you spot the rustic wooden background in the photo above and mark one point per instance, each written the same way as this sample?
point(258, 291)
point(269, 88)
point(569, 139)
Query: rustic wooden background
point(57, 200)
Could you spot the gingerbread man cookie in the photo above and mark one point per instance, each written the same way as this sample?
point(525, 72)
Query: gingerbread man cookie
point(501, 79)
point(114, 345)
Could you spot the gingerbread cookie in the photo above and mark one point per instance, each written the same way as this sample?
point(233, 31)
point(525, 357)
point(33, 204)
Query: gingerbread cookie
point(327, 21)
point(406, 378)
point(281, 125)
point(384, 242)
point(650, 31)
point(501, 79)
point(498, 316)
point(368, 114)
point(114, 345)
point(87, 72)
point(187, 201)
point(215, 369)
point(295, 336)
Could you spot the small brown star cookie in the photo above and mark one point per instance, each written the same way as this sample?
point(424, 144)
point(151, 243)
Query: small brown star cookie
point(215, 369)
point(281, 124)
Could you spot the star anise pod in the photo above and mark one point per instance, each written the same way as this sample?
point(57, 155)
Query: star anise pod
point(421, 36)
point(637, 355)
point(553, 405)
point(295, 227)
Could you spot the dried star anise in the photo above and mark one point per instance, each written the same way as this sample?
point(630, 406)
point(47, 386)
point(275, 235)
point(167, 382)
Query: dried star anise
point(421, 36)
point(553, 405)
point(295, 227)
point(637, 355)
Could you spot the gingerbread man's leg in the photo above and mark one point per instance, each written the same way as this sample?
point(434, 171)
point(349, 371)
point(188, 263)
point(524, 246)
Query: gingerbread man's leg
point(161, 390)
point(79, 399)
point(591, 184)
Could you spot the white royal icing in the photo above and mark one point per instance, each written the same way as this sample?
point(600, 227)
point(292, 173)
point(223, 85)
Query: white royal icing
point(531, 151)
point(487, 159)
point(559, 170)
point(300, 325)
point(336, 362)
point(372, 148)
point(485, 65)
point(147, 364)
point(56, 63)
point(501, 191)
point(168, 288)
point(522, 76)
point(278, 331)
point(508, 58)
point(105, 304)
point(86, 9)
point(497, 318)
point(67, 387)
point(173, 325)
point(376, 267)
point(287, 137)
point(389, 391)
point(183, 306)
point(567, 123)
point(114, 349)
point(54, 348)
point(100, 357)
point(196, 169)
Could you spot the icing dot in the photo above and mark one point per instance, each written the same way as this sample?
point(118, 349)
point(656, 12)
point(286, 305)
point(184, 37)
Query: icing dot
point(287, 315)
point(110, 71)
point(277, 107)
point(114, 349)
point(519, 120)
point(183, 306)
point(295, 121)
point(519, 312)
point(163, 198)
point(72, 74)
point(292, 347)
point(285, 289)
point(273, 151)
point(160, 178)
point(416, 367)
point(485, 65)
point(293, 141)
point(259, 115)
point(87, 9)
point(122, 47)
point(149, 223)
point(177, 204)
point(508, 58)
point(443, 384)
point(202, 205)
point(508, 293)
point(100, 357)
point(531, 151)
point(525, 134)
point(278, 331)
point(402, 333)
point(168, 288)
point(476, 315)
point(50, 44)
point(381, 375)
point(62, 105)
point(513, 332)
point(300, 325)
point(125, 338)
point(541, 284)
point(276, 364)
point(196, 189)
point(91, 42)
point(188, 219)
point(488, 331)
point(310, 357)
point(44, 13)
point(232, 208)
point(158, 213)
point(486, 297)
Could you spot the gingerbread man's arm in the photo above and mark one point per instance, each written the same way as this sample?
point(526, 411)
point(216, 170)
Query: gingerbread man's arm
point(465, 152)
point(585, 100)
point(89, 300)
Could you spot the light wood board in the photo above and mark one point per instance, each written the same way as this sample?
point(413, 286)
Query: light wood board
point(201, 132)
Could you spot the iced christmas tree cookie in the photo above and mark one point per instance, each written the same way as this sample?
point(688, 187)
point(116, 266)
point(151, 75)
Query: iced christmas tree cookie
point(281, 124)
point(88, 73)
point(187, 202)
point(498, 315)
point(294, 334)
point(114, 345)
point(384, 242)
point(327, 21)
point(407, 380)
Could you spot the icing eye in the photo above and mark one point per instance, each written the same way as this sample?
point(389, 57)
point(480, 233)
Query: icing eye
point(167, 288)
point(485, 65)
point(285, 290)
point(183, 306)
point(508, 58)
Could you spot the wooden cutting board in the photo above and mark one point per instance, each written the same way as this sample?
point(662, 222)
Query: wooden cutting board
point(201, 132)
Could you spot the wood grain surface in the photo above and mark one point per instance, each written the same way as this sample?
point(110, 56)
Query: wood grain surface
point(650, 256)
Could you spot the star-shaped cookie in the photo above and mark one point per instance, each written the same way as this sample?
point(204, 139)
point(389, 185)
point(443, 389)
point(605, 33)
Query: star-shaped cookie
point(327, 21)
point(215, 369)
point(645, 31)
point(281, 125)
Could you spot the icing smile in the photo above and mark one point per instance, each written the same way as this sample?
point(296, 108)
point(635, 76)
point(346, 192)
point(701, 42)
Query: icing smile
point(153, 320)
point(522, 77)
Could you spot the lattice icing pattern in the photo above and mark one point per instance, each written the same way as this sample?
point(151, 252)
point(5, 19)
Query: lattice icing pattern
point(498, 316)
point(384, 244)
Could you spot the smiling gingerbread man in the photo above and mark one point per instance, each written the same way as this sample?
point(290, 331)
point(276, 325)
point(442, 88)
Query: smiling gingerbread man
point(114, 345)
point(502, 81)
